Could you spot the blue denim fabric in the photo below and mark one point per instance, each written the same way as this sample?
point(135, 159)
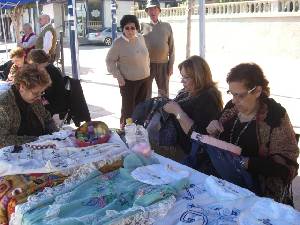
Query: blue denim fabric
point(227, 165)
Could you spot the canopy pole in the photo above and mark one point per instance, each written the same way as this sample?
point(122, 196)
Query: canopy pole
point(201, 11)
point(113, 19)
point(3, 27)
point(73, 38)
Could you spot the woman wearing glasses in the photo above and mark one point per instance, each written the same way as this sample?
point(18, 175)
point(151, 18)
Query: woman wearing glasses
point(22, 114)
point(261, 127)
point(128, 61)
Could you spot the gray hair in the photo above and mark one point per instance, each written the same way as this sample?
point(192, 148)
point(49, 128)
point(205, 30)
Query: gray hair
point(28, 25)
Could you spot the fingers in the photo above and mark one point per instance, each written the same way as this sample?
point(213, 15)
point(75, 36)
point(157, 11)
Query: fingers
point(214, 128)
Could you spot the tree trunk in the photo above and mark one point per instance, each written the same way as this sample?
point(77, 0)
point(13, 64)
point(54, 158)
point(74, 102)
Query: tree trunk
point(16, 17)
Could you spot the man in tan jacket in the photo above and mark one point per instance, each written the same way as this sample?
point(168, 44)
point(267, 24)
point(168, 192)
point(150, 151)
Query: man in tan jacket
point(159, 40)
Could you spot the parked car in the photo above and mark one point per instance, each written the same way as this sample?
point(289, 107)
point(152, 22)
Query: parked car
point(102, 36)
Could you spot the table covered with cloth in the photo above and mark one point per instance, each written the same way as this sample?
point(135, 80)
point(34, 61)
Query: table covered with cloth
point(91, 197)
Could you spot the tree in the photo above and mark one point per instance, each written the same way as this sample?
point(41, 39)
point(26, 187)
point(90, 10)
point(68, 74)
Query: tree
point(16, 15)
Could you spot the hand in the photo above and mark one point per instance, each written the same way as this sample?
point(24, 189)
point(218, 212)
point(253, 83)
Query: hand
point(172, 107)
point(214, 128)
point(170, 70)
point(121, 81)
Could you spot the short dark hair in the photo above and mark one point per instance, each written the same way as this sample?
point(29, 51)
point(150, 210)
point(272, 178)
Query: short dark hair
point(251, 75)
point(31, 76)
point(38, 56)
point(130, 19)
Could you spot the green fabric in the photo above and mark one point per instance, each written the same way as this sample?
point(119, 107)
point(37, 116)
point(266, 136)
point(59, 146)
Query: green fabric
point(88, 202)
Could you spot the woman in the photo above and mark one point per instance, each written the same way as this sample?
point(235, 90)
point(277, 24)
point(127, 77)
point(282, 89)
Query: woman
point(55, 95)
point(261, 127)
point(22, 116)
point(17, 60)
point(196, 104)
point(128, 61)
point(28, 39)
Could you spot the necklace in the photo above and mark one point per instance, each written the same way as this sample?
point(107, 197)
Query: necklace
point(242, 131)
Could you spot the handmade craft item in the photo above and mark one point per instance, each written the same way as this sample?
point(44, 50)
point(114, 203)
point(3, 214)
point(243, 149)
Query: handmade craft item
point(92, 133)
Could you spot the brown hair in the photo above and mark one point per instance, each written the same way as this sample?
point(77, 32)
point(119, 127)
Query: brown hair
point(17, 52)
point(198, 70)
point(31, 76)
point(251, 75)
point(38, 56)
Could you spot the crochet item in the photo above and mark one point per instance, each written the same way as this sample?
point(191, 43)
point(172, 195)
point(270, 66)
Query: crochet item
point(216, 142)
point(92, 133)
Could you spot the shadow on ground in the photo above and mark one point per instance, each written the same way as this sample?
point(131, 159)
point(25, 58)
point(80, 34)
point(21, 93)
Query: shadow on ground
point(97, 111)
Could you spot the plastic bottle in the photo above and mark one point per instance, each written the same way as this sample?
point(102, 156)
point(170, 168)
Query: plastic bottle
point(130, 131)
point(137, 138)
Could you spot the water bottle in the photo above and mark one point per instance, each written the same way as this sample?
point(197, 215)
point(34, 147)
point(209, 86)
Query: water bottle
point(137, 138)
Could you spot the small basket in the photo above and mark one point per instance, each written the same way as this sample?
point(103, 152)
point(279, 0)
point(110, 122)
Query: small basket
point(92, 133)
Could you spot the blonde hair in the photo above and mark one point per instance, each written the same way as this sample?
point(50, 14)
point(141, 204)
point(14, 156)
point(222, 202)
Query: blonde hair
point(17, 52)
point(198, 70)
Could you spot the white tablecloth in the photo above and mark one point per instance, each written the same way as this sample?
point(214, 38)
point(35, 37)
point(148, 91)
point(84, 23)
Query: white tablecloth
point(212, 201)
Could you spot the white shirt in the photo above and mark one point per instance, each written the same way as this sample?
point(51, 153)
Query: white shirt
point(47, 40)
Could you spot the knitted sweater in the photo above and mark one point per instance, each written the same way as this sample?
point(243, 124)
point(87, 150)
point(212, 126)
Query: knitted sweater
point(129, 60)
point(159, 41)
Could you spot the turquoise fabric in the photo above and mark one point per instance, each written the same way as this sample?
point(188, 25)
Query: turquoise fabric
point(88, 202)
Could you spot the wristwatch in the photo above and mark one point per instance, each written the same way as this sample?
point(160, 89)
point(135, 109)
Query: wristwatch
point(244, 162)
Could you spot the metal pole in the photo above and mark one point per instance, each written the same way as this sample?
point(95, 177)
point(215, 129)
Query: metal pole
point(38, 15)
point(201, 11)
point(72, 28)
point(113, 19)
point(3, 26)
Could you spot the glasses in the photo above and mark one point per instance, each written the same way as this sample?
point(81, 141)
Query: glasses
point(241, 95)
point(185, 78)
point(37, 94)
point(129, 28)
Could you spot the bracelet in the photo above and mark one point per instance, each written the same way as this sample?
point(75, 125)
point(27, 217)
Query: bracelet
point(189, 133)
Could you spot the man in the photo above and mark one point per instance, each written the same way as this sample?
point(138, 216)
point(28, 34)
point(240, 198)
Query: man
point(28, 40)
point(159, 40)
point(47, 37)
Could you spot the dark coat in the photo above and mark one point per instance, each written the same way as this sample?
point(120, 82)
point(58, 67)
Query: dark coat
point(5, 69)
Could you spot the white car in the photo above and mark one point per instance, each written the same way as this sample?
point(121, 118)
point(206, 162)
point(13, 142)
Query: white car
point(102, 36)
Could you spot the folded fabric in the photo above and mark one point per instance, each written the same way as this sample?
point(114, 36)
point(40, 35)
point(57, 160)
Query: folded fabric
point(225, 191)
point(46, 156)
point(89, 197)
point(267, 211)
point(216, 142)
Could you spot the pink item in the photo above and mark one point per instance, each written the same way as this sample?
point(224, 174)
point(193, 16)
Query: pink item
point(142, 148)
point(217, 143)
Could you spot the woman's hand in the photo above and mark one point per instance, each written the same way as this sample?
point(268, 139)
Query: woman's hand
point(214, 128)
point(121, 81)
point(173, 108)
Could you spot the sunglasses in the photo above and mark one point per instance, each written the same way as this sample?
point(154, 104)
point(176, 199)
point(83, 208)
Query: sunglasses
point(129, 28)
point(241, 95)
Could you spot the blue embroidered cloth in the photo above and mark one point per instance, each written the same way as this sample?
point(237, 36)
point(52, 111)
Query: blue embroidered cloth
point(98, 198)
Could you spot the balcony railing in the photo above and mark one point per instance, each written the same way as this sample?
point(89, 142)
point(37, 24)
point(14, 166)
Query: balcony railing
point(230, 8)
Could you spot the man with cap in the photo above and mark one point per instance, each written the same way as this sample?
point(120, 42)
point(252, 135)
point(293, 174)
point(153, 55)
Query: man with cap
point(47, 37)
point(160, 43)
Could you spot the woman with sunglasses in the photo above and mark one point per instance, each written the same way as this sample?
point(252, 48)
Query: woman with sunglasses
point(261, 127)
point(22, 115)
point(128, 61)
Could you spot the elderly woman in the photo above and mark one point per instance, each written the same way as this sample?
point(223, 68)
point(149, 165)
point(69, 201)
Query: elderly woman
point(22, 116)
point(17, 60)
point(128, 61)
point(55, 95)
point(261, 127)
point(28, 39)
point(194, 107)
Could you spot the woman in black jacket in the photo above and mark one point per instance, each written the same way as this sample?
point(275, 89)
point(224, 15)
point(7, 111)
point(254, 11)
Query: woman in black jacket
point(55, 95)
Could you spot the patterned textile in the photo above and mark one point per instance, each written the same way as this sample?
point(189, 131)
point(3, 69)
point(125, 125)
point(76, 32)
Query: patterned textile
point(15, 190)
point(89, 197)
point(276, 140)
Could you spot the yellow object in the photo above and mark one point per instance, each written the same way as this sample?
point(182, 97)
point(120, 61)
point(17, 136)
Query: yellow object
point(129, 121)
